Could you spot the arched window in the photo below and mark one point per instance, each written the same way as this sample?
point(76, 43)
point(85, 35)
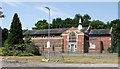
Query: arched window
point(72, 37)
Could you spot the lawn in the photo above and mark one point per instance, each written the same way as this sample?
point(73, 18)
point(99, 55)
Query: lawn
point(67, 59)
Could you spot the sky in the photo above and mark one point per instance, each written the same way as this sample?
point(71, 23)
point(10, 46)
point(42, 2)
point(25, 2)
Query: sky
point(31, 12)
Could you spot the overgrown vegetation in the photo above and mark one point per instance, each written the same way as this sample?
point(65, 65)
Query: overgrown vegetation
point(14, 45)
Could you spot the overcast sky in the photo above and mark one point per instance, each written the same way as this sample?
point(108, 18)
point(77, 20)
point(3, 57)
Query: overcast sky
point(31, 12)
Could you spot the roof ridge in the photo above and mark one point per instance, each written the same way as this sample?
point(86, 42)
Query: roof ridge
point(100, 29)
point(56, 28)
point(52, 29)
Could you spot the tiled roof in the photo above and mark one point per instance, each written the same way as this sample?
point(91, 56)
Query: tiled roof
point(52, 31)
point(61, 30)
point(45, 31)
point(84, 29)
point(100, 32)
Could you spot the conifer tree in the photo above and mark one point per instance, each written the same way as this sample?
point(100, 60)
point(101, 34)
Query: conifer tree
point(15, 35)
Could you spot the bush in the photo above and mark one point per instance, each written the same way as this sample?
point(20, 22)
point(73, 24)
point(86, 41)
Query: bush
point(20, 50)
point(110, 50)
point(26, 54)
point(31, 48)
point(30, 54)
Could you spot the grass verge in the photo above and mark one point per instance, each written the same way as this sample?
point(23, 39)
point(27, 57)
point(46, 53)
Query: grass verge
point(67, 59)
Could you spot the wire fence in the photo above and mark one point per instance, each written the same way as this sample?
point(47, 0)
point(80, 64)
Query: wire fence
point(52, 55)
point(68, 53)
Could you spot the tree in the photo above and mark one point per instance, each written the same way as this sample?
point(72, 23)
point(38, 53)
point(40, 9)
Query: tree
point(1, 13)
point(1, 16)
point(57, 23)
point(15, 36)
point(27, 39)
point(77, 16)
point(96, 24)
point(4, 35)
point(85, 23)
point(30, 47)
point(0, 37)
point(41, 24)
point(76, 19)
point(68, 23)
point(115, 24)
point(86, 17)
point(116, 33)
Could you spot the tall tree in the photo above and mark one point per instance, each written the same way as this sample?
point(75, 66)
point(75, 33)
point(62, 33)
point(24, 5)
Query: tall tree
point(1, 16)
point(27, 37)
point(85, 23)
point(68, 23)
point(116, 31)
point(86, 17)
point(41, 24)
point(76, 19)
point(78, 16)
point(4, 35)
point(1, 13)
point(15, 36)
point(96, 24)
point(57, 23)
point(0, 37)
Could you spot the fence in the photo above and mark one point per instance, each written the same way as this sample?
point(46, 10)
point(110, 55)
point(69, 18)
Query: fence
point(68, 53)
point(52, 55)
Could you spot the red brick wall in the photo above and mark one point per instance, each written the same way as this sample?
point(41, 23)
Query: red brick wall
point(65, 43)
point(79, 43)
point(106, 41)
point(45, 42)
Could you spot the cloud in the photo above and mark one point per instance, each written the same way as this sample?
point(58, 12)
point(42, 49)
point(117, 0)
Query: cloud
point(42, 8)
point(14, 4)
point(54, 11)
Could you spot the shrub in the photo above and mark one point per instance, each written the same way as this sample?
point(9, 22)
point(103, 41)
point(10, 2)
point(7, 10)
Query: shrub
point(20, 50)
point(109, 49)
point(31, 48)
point(30, 54)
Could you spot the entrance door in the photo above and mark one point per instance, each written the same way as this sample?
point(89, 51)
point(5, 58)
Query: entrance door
point(72, 48)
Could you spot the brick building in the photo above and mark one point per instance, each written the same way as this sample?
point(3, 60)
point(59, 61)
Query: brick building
point(81, 39)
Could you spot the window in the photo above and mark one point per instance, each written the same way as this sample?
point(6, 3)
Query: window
point(39, 45)
point(43, 36)
point(52, 36)
point(45, 45)
point(109, 38)
point(92, 46)
point(93, 39)
point(72, 37)
point(69, 46)
point(75, 46)
point(34, 36)
point(57, 45)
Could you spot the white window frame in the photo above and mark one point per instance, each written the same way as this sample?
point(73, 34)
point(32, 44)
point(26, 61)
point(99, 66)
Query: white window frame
point(92, 46)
